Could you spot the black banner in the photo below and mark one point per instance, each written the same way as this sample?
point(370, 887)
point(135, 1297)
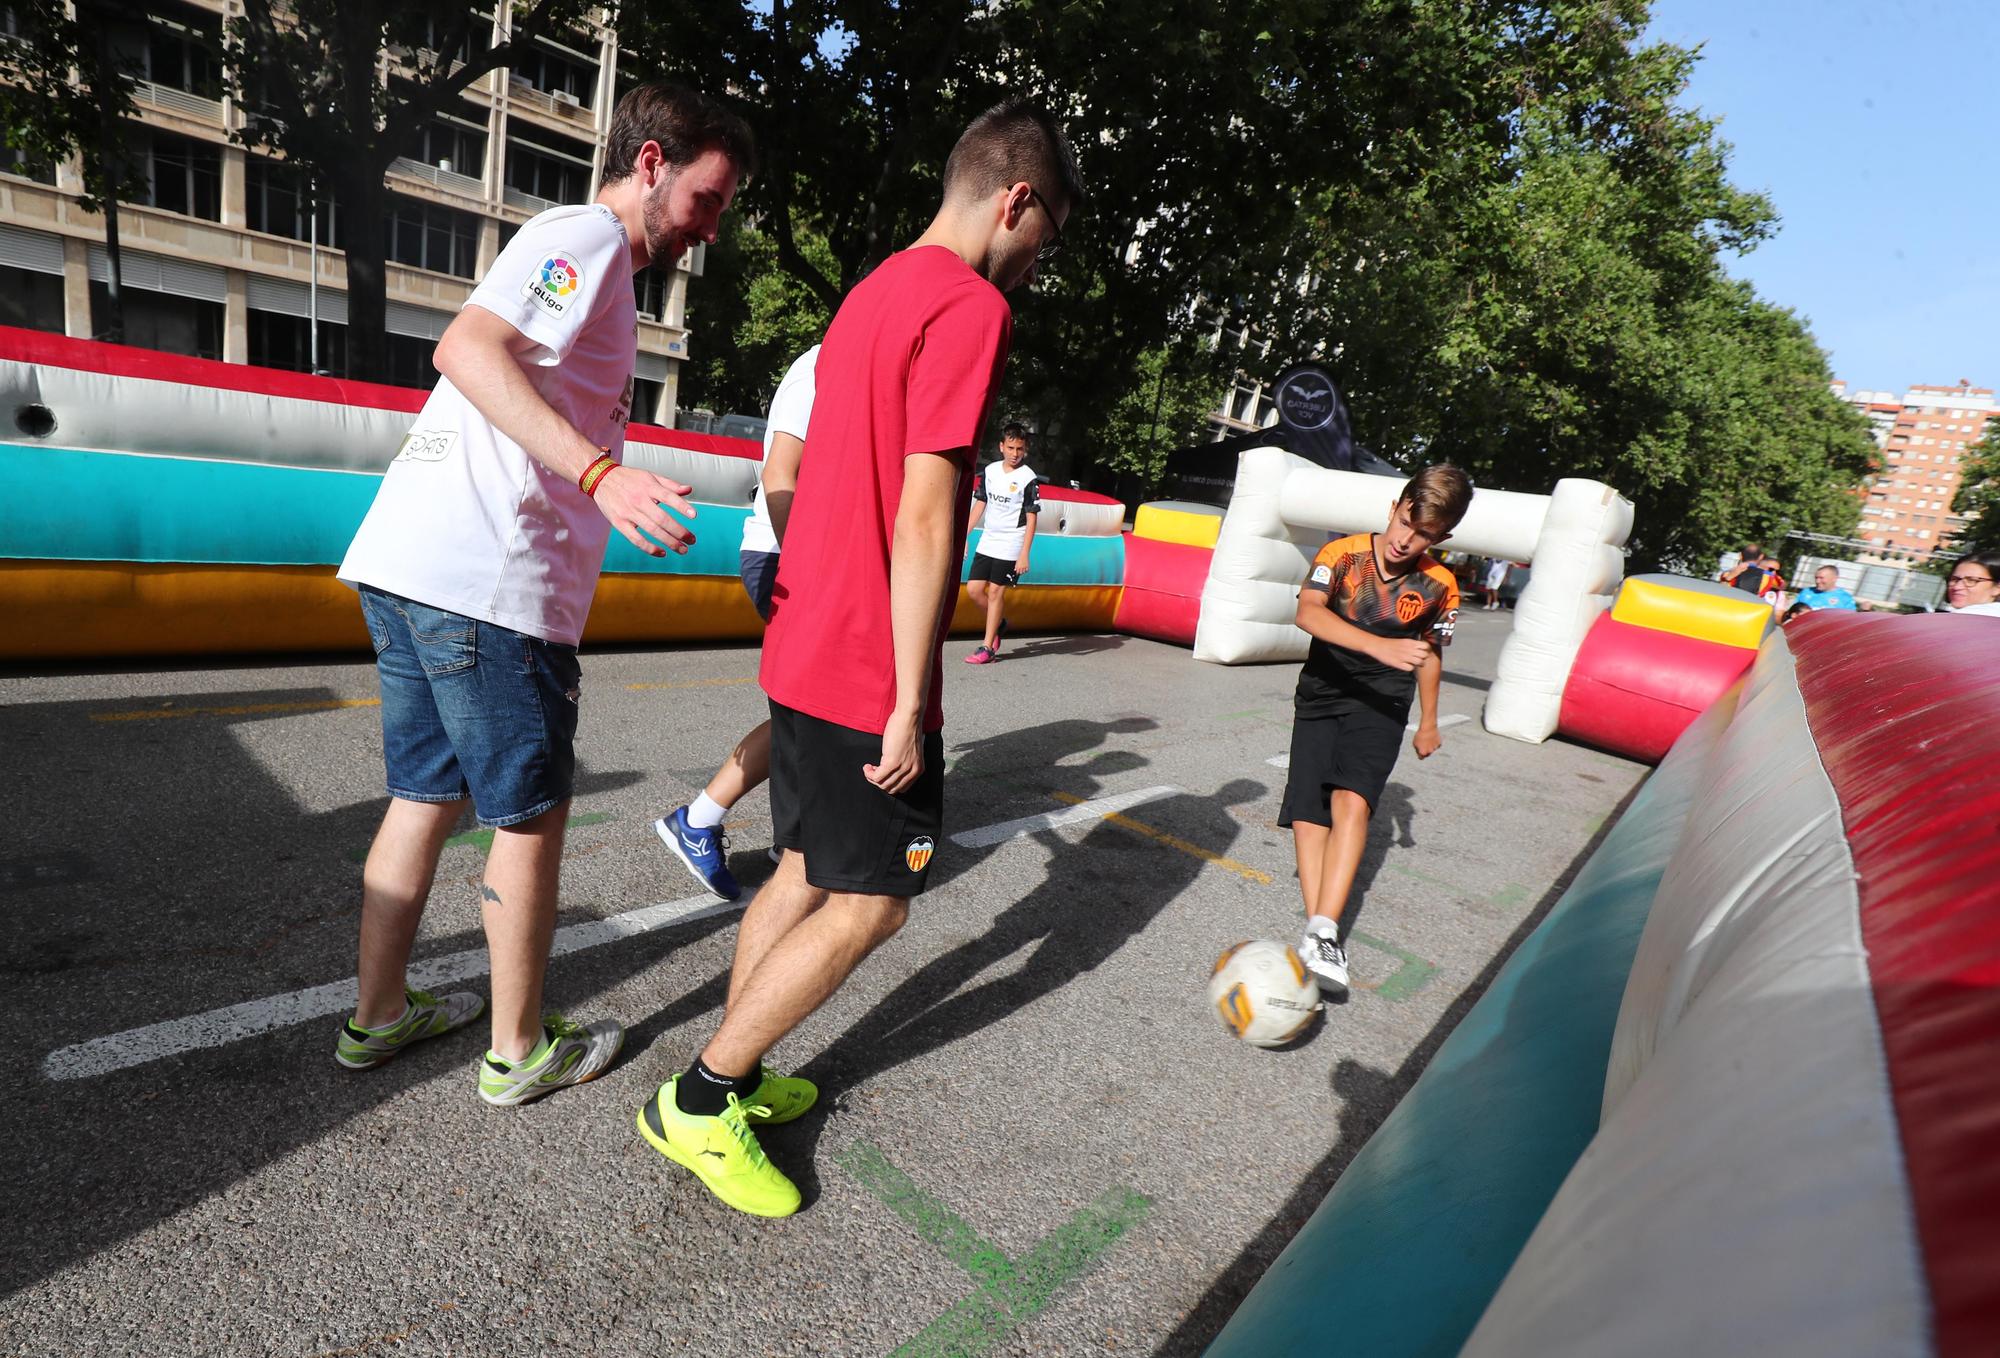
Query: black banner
point(1312, 422)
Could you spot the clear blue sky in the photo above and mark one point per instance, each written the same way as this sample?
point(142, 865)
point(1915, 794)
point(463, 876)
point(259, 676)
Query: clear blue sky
point(1837, 110)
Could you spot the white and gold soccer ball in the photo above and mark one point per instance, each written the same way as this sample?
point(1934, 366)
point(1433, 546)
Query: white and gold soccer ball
point(1263, 992)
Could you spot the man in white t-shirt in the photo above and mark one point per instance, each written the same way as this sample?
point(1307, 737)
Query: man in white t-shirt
point(476, 565)
point(1006, 499)
point(693, 833)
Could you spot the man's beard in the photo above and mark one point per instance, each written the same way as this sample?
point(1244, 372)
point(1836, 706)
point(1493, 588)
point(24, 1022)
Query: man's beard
point(664, 245)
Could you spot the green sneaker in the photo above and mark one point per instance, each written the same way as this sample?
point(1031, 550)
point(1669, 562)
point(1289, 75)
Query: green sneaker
point(783, 1097)
point(721, 1150)
point(426, 1015)
point(568, 1054)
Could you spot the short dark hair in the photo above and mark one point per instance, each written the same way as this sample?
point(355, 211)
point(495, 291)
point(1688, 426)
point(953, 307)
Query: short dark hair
point(1986, 561)
point(1753, 551)
point(1011, 142)
point(1014, 429)
point(1438, 496)
point(684, 122)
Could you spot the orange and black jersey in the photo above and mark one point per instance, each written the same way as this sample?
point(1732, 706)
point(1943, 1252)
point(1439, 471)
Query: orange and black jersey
point(1423, 602)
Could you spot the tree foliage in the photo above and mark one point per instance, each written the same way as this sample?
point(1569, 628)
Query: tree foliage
point(1495, 220)
point(311, 71)
point(1979, 494)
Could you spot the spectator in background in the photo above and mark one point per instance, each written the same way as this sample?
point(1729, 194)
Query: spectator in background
point(1825, 592)
point(1974, 585)
point(1496, 576)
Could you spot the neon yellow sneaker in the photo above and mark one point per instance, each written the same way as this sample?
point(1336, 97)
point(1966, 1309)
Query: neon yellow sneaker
point(784, 1097)
point(424, 1015)
point(721, 1151)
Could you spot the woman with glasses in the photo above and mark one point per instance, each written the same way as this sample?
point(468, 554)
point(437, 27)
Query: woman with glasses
point(1974, 585)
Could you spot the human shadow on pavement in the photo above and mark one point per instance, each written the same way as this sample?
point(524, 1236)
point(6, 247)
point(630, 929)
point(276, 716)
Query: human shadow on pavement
point(169, 872)
point(1095, 895)
point(1078, 644)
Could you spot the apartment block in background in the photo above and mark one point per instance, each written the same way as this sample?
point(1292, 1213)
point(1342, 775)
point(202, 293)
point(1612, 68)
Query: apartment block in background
point(1923, 435)
point(217, 254)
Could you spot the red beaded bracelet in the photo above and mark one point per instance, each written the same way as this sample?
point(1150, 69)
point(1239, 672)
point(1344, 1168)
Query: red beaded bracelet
point(593, 475)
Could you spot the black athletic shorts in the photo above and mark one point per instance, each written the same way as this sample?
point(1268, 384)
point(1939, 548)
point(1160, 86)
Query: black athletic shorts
point(1353, 748)
point(854, 836)
point(992, 568)
point(760, 577)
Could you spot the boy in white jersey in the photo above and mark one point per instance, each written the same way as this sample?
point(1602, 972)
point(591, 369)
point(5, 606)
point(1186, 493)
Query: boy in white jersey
point(476, 565)
point(693, 833)
point(1006, 500)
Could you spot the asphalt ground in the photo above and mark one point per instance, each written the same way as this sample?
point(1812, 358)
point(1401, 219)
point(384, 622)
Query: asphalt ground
point(1034, 1137)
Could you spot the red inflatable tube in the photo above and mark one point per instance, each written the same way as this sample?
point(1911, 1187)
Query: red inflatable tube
point(1162, 594)
point(1633, 690)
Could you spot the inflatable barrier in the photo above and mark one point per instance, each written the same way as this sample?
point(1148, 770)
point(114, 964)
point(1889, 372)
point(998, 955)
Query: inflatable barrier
point(1736, 1092)
point(1284, 507)
point(1668, 648)
point(162, 505)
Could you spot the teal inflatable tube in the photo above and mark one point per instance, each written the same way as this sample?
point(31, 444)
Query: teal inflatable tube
point(66, 504)
point(1407, 1250)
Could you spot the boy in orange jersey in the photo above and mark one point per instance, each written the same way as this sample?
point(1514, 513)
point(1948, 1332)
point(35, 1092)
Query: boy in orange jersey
point(1380, 611)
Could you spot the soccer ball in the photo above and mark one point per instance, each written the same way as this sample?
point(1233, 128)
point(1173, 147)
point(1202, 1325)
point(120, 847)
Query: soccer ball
point(1263, 993)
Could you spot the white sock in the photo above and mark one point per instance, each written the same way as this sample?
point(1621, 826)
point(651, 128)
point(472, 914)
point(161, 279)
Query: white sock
point(705, 813)
point(1319, 926)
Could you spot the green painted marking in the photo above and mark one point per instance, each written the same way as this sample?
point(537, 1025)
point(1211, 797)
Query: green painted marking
point(1408, 979)
point(482, 840)
point(1006, 1294)
point(1246, 712)
point(1509, 896)
point(1425, 878)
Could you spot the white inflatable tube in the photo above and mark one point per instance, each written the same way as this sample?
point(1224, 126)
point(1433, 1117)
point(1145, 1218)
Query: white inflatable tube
point(1284, 507)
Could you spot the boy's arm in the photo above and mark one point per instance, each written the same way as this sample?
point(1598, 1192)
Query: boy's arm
point(978, 513)
point(1317, 620)
point(781, 479)
point(919, 564)
point(1427, 739)
point(1027, 542)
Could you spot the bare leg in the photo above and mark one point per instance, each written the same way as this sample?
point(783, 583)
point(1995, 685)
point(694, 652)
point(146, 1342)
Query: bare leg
point(1309, 846)
point(1344, 844)
point(799, 971)
point(996, 608)
point(394, 886)
point(518, 904)
point(748, 765)
point(780, 905)
point(977, 591)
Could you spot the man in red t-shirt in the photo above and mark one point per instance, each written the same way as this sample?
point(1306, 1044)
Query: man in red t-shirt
point(852, 658)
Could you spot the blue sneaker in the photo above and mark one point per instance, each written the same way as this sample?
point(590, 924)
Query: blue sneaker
point(704, 851)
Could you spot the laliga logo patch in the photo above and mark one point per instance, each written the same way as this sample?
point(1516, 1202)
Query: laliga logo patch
point(554, 282)
point(918, 853)
point(1322, 575)
point(1409, 607)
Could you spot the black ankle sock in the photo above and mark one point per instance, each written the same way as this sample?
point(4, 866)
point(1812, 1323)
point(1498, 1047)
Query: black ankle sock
point(704, 1093)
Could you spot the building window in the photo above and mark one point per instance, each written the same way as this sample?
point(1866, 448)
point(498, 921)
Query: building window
point(454, 141)
point(559, 70)
point(13, 161)
point(277, 200)
point(426, 236)
point(31, 299)
point(280, 341)
point(173, 45)
point(478, 35)
point(654, 289)
point(547, 165)
point(180, 174)
point(156, 320)
point(410, 361)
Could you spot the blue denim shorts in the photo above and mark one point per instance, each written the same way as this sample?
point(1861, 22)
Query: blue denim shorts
point(470, 709)
point(760, 577)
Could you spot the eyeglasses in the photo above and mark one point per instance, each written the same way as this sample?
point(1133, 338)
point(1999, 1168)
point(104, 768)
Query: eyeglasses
point(1054, 247)
point(1968, 580)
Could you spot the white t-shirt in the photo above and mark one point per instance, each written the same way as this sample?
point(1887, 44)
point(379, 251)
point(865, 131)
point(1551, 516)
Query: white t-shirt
point(1979, 610)
point(1010, 496)
point(465, 520)
point(1496, 575)
point(791, 411)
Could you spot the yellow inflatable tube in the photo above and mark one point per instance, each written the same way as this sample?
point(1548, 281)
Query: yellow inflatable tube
point(1701, 610)
point(1189, 525)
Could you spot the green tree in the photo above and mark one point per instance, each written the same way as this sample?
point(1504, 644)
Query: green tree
point(749, 319)
point(1979, 494)
point(313, 71)
point(64, 92)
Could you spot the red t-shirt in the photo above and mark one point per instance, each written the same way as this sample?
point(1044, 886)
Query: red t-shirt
point(909, 366)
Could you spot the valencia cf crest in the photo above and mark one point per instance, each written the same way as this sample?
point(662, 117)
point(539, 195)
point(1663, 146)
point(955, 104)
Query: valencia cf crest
point(918, 853)
point(1409, 607)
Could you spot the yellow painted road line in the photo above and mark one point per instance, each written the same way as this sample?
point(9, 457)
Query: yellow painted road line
point(236, 709)
point(694, 683)
point(1244, 870)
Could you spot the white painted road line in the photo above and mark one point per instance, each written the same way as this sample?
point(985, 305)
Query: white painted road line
point(1284, 761)
point(233, 1023)
point(1095, 809)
